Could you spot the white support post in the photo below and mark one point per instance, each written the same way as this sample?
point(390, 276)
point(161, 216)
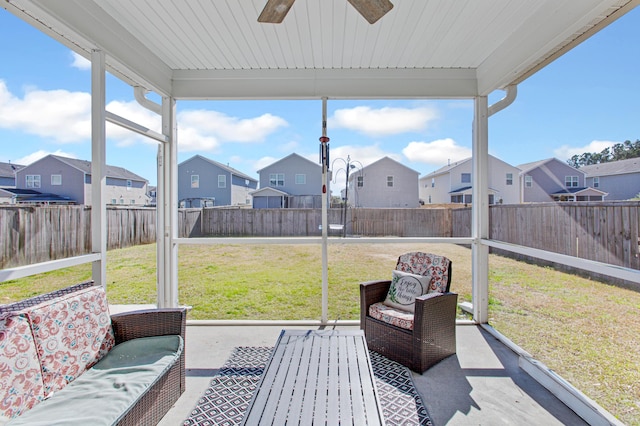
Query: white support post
point(98, 167)
point(480, 210)
point(167, 209)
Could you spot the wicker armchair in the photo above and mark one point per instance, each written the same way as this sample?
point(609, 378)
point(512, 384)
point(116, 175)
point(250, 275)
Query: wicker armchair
point(433, 337)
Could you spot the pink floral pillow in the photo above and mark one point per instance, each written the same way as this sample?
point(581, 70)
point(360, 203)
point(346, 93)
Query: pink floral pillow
point(21, 384)
point(72, 333)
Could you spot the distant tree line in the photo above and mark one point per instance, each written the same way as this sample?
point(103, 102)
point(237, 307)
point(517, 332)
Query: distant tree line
point(619, 151)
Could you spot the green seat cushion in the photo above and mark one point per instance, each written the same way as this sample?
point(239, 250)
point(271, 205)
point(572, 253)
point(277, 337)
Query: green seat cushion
point(105, 392)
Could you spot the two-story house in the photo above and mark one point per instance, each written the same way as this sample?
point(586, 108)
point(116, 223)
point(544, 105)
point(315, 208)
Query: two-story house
point(619, 179)
point(203, 182)
point(291, 182)
point(8, 180)
point(384, 183)
point(453, 183)
point(70, 179)
point(555, 180)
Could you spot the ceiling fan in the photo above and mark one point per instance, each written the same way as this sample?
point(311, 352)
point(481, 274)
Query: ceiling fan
point(372, 10)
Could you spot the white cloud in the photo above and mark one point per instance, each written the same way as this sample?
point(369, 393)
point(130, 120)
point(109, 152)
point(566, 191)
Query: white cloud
point(56, 114)
point(383, 121)
point(80, 62)
point(264, 162)
point(437, 153)
point(28, 159)
point(231, 129)
point(65, 117)
point(565, 151)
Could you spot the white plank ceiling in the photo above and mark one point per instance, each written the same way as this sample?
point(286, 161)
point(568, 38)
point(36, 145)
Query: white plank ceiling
point(216, 49)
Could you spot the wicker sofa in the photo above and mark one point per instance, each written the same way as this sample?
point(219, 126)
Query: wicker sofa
point(65, 360)
point(420, 339)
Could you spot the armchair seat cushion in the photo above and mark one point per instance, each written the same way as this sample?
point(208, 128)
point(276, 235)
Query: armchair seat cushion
point(396, 317)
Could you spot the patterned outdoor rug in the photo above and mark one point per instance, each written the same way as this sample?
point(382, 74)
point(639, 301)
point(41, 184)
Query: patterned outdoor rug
point(229, 393)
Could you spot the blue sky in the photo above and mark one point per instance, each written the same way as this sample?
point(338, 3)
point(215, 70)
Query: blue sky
point(583, 102)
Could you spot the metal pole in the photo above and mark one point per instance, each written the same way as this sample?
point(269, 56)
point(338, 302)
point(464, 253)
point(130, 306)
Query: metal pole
point(324, 150)
point(346, 200)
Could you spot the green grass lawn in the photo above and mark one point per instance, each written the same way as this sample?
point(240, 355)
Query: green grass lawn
point(585, 330)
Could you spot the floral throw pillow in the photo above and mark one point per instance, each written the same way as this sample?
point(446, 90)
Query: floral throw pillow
point(404, 289)
point(21, 384)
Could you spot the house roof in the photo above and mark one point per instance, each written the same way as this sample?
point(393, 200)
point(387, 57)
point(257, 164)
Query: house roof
point(527, 167)
point(385, 158)
point(620, 167)
point(111, 171)
point(9, 169)
point(448, 167)
point(223, 167)
point(268, 191)
point(578, 191)
point(323, 48)
point(294, 155)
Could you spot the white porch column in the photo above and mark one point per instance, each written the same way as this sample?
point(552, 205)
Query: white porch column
point(167, 209)
point(98, 167)
point(480, 210)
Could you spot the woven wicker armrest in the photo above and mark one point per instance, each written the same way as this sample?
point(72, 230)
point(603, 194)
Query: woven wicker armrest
point(149, 322)
point(372, 292)
point(435, 314)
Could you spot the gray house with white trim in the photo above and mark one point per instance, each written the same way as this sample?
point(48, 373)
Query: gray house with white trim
point(291, 182)
point(619, 179)
point(70, 178)
point(384, 183)
point(8, 174)
point(555, 180)
point(452, 183)
point(203, 182)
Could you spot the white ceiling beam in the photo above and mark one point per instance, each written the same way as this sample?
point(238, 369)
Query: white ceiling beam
point(331, 83)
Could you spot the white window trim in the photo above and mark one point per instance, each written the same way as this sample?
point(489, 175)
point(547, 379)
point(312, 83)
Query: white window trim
point(222, 181)
point(33, 181)
point(301, 179)
point(195, 181)
point(56, 182)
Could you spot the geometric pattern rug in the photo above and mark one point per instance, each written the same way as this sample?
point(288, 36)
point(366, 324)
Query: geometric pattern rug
point(229, 393)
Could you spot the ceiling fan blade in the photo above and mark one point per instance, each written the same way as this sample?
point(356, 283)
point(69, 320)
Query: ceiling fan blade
point(372, 10)
point(275, 11)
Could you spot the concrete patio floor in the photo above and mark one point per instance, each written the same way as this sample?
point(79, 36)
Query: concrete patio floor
point(480, 385)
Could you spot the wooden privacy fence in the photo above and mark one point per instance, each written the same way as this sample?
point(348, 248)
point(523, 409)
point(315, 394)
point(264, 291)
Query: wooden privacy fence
point(606, 232)
point(33, 234)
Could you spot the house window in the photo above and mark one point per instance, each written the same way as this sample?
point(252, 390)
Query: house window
point(528, 181)
point(360, 181)
point(195, 181)
point(571, 181)
point(133, 201)
point(301, 179)
point(596, 182)
point(276, 179)
point(121, 200)
point(433, 182)
point(56, 179)
point(390, 181)
point(129, 184)
point(113, 201)
point(33, 181)
point(222, 181)
point(509, 178)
